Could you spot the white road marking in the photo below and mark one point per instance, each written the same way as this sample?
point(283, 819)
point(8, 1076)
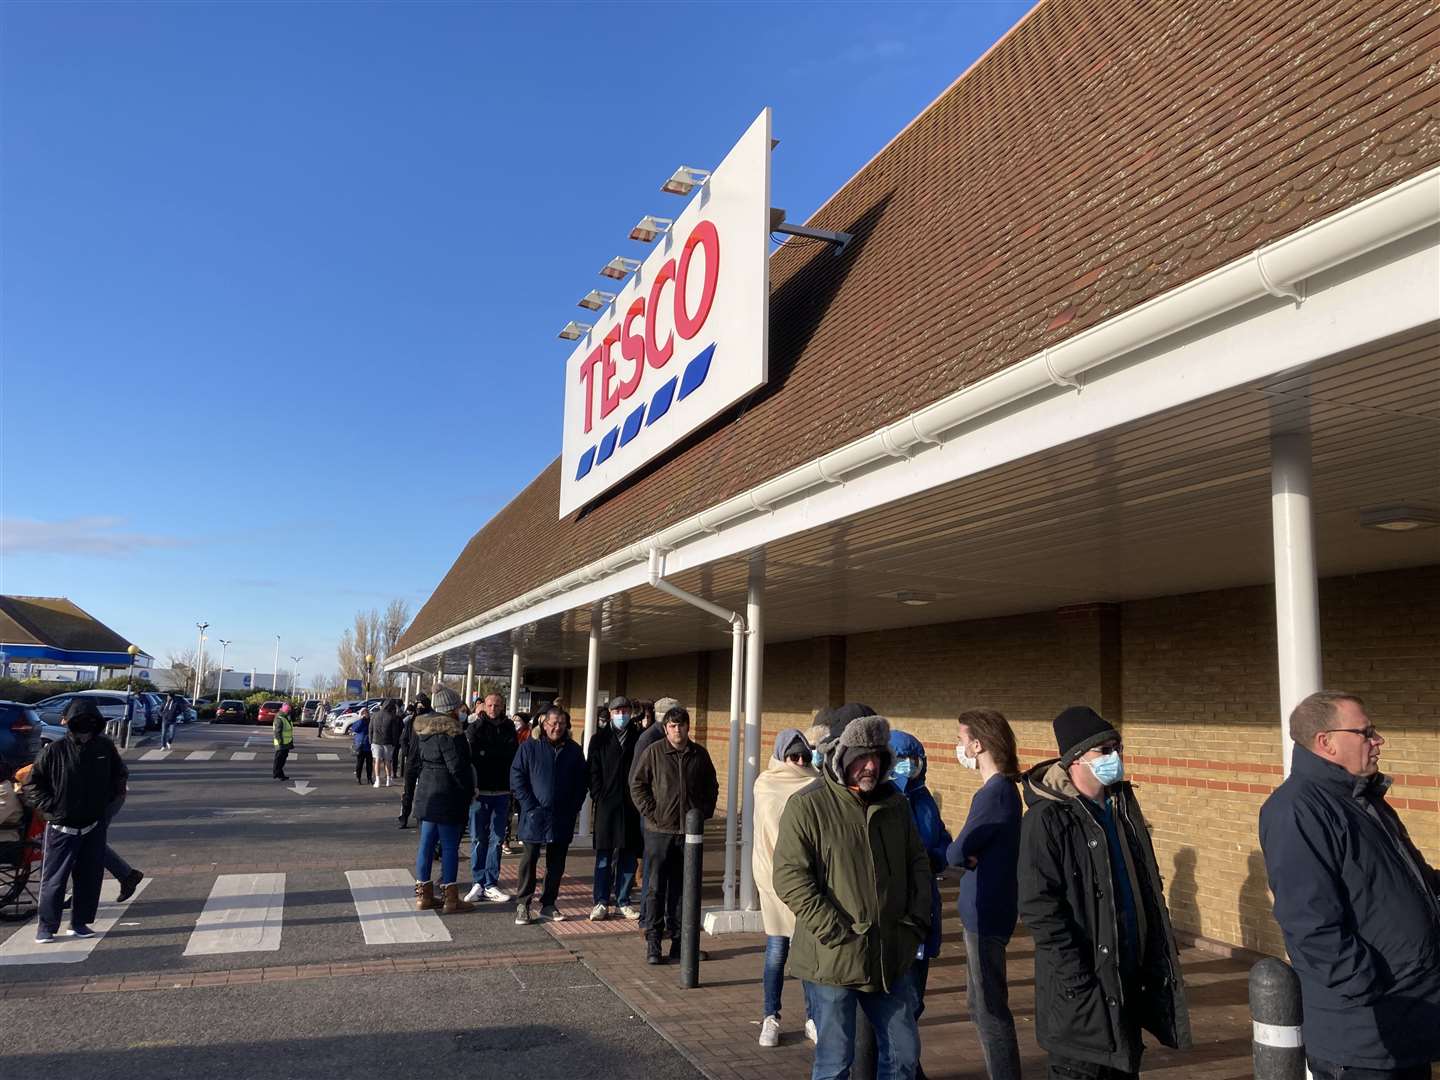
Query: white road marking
point(327, 757)
point(243, 755)
point(385, 906)
point(243, 914)
point(21, 947)
point(200, 755)
point(303, 787)
point(155, 755)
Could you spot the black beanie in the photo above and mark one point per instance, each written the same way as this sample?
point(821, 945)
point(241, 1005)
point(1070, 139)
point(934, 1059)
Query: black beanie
point(1080, 728)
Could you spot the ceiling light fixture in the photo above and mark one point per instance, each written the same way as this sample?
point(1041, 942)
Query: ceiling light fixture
point(1400, 518)
point(915, 599)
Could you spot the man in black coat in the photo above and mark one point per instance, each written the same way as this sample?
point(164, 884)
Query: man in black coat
point(491, 736)
point(410, 754)
point(618, 840)
point(1106, 965)
point(74, 781)
point(1358, 903)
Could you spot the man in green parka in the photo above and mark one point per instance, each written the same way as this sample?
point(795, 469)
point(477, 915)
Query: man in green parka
point(850, 865)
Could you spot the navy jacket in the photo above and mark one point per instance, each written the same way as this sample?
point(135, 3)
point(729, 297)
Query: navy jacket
point(550, 784)
point(933, 834)
point(991, 834)
point(1357, 903)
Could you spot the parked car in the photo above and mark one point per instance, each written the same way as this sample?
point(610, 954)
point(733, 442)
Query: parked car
point(230, 711)
point(268, 712)
point(342, 720)
point(20, 728)
point(111, 703)
point(312, 713)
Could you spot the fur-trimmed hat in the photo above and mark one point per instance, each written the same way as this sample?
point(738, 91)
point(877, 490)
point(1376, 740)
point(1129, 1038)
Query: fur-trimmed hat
point(863, 735)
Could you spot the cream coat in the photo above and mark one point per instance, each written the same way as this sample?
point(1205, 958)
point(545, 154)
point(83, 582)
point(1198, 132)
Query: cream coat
point(773, 789)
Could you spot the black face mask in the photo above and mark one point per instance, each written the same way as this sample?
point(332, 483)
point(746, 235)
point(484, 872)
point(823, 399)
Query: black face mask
point(85, 726)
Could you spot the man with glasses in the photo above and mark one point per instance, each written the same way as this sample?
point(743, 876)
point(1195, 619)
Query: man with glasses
point(1092, 898)
point(1358, 903)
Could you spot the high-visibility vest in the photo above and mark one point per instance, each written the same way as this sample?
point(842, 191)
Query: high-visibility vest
point(287, 732)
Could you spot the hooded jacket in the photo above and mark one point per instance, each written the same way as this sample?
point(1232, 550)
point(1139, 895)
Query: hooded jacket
point(773, 789)
point(666, 783)
point(1360, 910)
point(1084, 1009)
point(857, 878)
point(385, 725)
point(549, 781)
point(446, 781)
point(492, 750)
point(72, 783)
point(617, 821)
point(933, 834)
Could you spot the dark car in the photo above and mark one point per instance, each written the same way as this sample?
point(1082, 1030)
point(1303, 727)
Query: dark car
point(19, 733)
point(268, 711)
point(230, 711)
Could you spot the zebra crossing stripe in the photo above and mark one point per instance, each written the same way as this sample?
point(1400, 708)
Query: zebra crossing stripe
point(243, 755)
point(385, 906)
point(200, 755)
point(155, 755)
point(327, 757)
point(243, 914)
point(22, 949)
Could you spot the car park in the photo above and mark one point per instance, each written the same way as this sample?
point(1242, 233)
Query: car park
point(268, 712)
point(345, 715)
point(20, 733)
point(230, 711)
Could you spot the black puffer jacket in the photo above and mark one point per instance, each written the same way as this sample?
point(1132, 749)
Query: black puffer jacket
point(73, 783)
point(492, 750)
point(617, 822)
point(447, 781)
point(385, 725)
point(1083, 1009)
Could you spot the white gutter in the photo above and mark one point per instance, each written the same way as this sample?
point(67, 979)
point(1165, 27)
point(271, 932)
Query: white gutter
point(1277, 269)
point(737, 669)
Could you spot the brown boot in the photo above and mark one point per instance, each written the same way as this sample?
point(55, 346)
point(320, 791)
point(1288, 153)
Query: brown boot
point(453, 904)
point(424, 896)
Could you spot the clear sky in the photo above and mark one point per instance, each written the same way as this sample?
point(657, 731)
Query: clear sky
point(281, 281)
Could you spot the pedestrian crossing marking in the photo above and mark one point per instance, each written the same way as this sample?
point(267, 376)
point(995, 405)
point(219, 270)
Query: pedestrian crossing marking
point(200, 755)
point(243, 914)
point(21, 948)
point(155, 755)
point(327, 757)
point(385, 906)
point(243, 755)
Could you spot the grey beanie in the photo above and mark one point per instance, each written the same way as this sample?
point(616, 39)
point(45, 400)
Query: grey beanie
point(445, 700)
point(863, 735)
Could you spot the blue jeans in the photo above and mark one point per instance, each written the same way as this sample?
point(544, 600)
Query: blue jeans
point(892, 1015)
point(449, 837)
point(620, 861)
point(488, 818)
point(777, 951)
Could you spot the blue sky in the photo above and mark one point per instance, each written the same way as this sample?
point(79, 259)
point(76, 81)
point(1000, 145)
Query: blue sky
point(281, 282)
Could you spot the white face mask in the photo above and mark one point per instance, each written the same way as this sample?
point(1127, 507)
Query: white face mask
point(964, 758)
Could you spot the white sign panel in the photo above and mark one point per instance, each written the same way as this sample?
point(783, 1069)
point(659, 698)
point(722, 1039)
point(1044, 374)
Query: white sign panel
point(686, 337)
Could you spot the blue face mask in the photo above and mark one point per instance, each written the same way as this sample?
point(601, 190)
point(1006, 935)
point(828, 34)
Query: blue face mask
point(816, 758)
point(902, 773)
point(1108, 769)
point(619, 719)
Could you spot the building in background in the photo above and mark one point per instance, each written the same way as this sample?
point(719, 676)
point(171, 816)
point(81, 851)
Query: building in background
point(52, 639)
point(1124, 392)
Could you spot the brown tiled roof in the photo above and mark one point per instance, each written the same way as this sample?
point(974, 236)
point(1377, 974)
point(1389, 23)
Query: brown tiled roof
point(57, 622)
point(1104, 152)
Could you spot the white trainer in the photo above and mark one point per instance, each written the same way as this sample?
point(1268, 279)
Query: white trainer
point(630, 911)
point(599, 913)
point(494, 895)
point(477, 892)
point(770, 1031)
point(377, 782)
point(810, 1032)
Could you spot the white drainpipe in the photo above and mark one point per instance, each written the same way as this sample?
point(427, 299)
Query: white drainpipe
point(1277, 270)
point(737, 680)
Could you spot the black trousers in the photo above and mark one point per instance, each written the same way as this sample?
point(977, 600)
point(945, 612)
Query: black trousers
point(555, 855)
point(75, 860)
point(364, 763)
point(407, 801)
point(1326, 1070)
point(664, 884)
point(1063, 1068)
point(277, 771)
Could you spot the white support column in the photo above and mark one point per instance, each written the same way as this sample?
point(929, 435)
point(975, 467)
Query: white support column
point(1297, 607)
point(516, 672)
point(592, 691)
point(438, 679)
point(469, 677)
point(407, 688)
point(732, 804)
point(754, 687)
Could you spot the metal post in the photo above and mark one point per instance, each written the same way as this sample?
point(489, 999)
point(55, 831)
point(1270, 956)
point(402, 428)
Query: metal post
point(275, 668)
point(515, 673)
point(754, 685)
point(732, 804)
point(592, 691)
point(407, 688)
point(1276, 1012)
point(199, 656)
point(690, 905)
point(866, 1062)
point(469, 677)
point(1297, 607)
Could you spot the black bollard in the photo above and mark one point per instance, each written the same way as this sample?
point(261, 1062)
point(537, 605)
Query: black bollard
point(690, 905)
point(866, 1063)
point(1276, 1011)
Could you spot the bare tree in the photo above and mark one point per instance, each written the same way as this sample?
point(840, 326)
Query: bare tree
point(182, 668)
point(375, 635)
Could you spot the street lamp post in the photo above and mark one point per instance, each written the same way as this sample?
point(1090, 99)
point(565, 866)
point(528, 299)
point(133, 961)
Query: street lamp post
point(275, 668)
point(369, 662)
point(199, 655)
point(294, 672)
point(134, 651)
point(220, 678)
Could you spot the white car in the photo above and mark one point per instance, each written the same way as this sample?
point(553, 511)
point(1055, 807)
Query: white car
point(345, 715)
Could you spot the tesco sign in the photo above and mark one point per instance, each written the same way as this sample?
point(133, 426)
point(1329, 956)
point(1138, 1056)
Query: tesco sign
point(686, 337)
